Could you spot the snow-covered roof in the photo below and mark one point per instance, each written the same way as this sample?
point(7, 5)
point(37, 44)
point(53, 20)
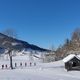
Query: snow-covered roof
point(78, 55)
point(69, 57)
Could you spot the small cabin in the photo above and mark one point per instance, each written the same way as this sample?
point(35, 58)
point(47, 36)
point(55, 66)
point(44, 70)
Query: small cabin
point(72, 62)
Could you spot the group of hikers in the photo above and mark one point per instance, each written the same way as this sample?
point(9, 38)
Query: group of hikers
point(21, 65)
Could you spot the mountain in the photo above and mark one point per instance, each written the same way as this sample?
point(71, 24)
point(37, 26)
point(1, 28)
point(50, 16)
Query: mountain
point(16, 44)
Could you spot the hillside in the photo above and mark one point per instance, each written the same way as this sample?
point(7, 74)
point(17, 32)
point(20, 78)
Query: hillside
point(16, 44)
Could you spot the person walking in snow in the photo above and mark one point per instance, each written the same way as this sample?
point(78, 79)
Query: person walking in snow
point(6, 66)
point(21, 64)
point(15, 64)
point(25, 64)
point(3, 66)
point(30, 64)
point(34, 64)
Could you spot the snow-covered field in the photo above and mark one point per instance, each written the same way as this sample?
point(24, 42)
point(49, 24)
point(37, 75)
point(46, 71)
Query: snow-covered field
point(42, 71)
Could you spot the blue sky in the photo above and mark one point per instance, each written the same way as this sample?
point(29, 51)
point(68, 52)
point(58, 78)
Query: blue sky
point(41, 22)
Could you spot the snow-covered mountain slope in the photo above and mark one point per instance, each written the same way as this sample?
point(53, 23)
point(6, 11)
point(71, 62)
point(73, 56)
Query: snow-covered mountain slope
point(8, 42)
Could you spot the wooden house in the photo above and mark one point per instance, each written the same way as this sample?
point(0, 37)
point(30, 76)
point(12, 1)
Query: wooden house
point(72, 62)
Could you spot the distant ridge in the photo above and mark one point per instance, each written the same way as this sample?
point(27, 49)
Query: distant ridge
point(20, 44)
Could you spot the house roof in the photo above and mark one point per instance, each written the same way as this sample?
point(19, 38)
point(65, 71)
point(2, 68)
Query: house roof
point(69, 57)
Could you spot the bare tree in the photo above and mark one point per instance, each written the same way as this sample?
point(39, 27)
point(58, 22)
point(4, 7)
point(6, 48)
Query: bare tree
point(10, 48)
point(9, 45)
point(52, 48)
point(10, 32)
point(76, 34)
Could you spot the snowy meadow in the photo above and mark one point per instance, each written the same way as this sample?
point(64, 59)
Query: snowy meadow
point(42, 71)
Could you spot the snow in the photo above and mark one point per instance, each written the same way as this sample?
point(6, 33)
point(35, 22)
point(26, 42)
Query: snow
point(15, 43)
point(26, 56)
point(69, 57)
point(42, 71)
